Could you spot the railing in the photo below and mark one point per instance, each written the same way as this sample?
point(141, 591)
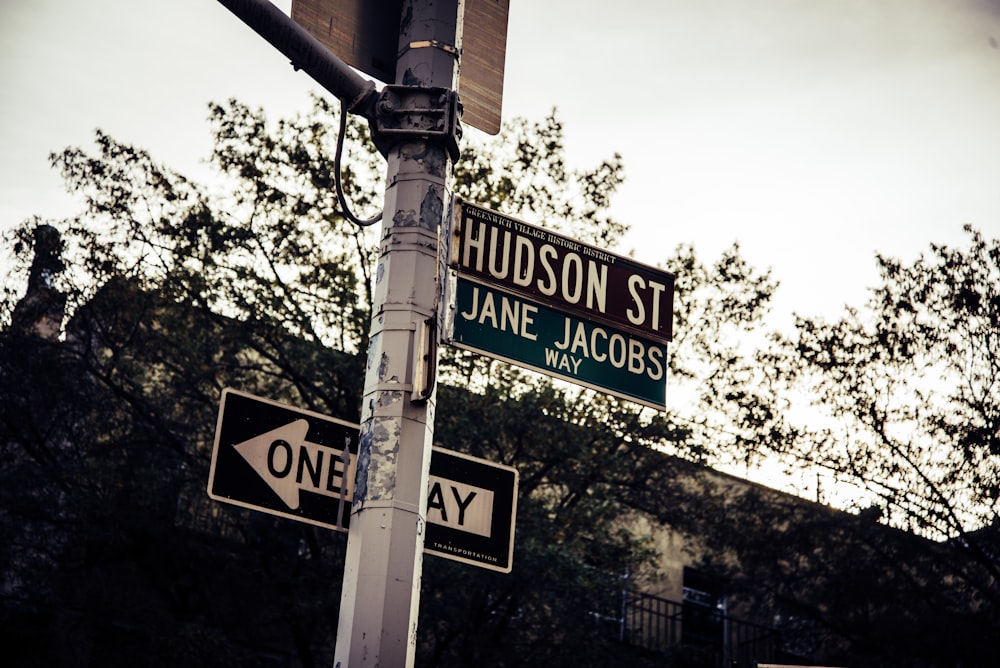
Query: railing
point(652, 622)
point(705, 637)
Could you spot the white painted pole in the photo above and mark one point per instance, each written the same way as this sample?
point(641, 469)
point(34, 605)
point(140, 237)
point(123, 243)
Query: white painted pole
point(381, 592)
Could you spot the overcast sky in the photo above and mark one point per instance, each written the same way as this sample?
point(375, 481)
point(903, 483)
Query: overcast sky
point(814, 132)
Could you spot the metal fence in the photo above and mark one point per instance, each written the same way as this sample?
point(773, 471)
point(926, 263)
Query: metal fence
point(704, 637)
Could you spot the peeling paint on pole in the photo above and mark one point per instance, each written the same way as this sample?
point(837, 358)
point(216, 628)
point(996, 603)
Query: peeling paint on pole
point(431, 209)
point(381, 592)
point(405, 218)
point(364, 460)
point(384, 449)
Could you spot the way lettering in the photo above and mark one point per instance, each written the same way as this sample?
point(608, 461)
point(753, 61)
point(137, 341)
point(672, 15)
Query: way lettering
point(459, 506)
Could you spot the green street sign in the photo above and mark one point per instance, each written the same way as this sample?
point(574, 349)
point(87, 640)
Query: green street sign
point(524, 332)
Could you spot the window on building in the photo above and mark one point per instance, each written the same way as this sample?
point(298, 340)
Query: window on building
point(704, 609)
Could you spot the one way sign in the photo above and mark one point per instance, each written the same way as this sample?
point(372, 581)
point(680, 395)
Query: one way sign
point(471, 507)
point(283, 461)
point(301, 465)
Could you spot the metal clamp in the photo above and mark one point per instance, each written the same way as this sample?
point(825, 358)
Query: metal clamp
point(424, 361)
point(405, 112)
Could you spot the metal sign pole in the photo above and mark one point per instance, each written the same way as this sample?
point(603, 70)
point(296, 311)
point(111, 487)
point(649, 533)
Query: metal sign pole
point(416, 125)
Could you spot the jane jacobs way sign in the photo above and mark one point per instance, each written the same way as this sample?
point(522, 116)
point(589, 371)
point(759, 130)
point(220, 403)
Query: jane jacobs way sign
point(532, 335)
point(549, 303)
point(299, 464)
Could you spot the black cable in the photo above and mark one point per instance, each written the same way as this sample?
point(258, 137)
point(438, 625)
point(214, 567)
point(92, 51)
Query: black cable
point(345, 209)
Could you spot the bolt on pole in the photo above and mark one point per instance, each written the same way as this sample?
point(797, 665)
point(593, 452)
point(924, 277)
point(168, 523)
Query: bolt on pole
point(381, 587)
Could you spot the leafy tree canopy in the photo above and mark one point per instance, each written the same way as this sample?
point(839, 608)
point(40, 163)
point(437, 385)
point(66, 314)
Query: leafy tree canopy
point(895, 407)
point(175, 290)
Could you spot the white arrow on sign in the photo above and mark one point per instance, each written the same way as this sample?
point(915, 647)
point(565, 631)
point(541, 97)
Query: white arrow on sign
point(288, 464)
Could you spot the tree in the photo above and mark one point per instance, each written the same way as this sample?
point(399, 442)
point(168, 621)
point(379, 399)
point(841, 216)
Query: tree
point(911, 384)
point(114, 555)
point(173, 291)
point(902, 423)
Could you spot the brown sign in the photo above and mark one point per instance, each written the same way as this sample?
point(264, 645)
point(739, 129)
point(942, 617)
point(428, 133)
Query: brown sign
point(566, 274)
point(365, 34)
